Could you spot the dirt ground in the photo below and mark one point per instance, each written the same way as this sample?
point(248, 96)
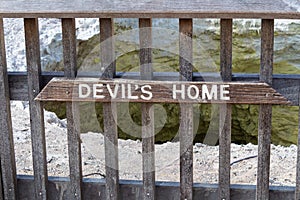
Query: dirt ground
point(283, 159)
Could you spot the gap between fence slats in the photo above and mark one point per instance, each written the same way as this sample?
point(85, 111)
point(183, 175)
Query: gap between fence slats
point(265, 111)
point(186, 111)
point(7, 153)
point(148, 135)
point(297, 190)
point(225, 111)
point(36, 108)
point(108, 69)
point(72, 110)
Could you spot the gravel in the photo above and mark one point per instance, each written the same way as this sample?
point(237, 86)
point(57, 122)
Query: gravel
point(243, 157)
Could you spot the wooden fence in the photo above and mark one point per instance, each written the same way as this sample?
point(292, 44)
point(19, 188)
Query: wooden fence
point(26, 86)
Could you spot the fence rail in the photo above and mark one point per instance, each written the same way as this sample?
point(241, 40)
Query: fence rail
point(26, 86)
point(268, 9)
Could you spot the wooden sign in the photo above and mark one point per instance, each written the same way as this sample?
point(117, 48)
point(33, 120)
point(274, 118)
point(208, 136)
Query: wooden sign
point(124, 90)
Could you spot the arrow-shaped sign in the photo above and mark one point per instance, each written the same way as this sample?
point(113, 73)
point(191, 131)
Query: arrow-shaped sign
point(124, 90)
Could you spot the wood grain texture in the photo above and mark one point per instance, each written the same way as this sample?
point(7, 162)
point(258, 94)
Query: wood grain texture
point(186, 151)
point(36, 108)
point(108, 65)
point(111, 151)
point(145, 34)
point(286, 84)
point(1, 189)
point(150, 9)
point(132, 190)
point(148, 151)
point(225, 111)
point(7, 153)
point(148, 135)
point(62, 89)
point(186, 135)
point(265, 112)
point(72, 110)
point(226, 49)
point(186, 49)
point(109, 112)
point(69, 47)
point(297, 189)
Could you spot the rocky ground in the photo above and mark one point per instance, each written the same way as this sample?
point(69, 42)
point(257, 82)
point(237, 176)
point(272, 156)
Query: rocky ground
point(243, 171)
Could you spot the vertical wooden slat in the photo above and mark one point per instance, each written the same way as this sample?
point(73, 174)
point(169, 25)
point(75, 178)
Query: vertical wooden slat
point(225, 111)
point(145, 49)
point(297, 190)
point(69, 47)
point(109, 111)
point(73, 120)
point(226, 49)
point(36, 108)
point(265, 111)
point(186, 111)
point(1, 189)
point(186, 49)
point(108, 65)
point(7, 154)
point(147, 113)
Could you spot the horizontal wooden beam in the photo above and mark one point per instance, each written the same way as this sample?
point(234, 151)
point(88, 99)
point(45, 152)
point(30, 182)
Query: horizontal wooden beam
point(131, 190)
point(149, 9)
point(125, 90)
point(287, 85)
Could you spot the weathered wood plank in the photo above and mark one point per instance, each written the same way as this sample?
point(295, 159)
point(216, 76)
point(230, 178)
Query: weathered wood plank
point(297, 190)
point(150, 9)
point(186, 49)
point(265, 112)
point(108, 65)
point(148, 135)
point(122, 90)
point(286, 84)
point(186, 135)
point(7, 153)
point(36, 108)
point(186, 151)
point(145, 35)
point(225, 111)
point(148, 151)
point(69, 47)
point(73, 119)
point(109, 112)
point(1, 189)
point(226, 49)
point(111, 151)
point(132, 190)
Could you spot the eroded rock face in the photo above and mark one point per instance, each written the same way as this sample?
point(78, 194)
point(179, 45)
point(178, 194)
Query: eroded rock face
point(50, 40)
